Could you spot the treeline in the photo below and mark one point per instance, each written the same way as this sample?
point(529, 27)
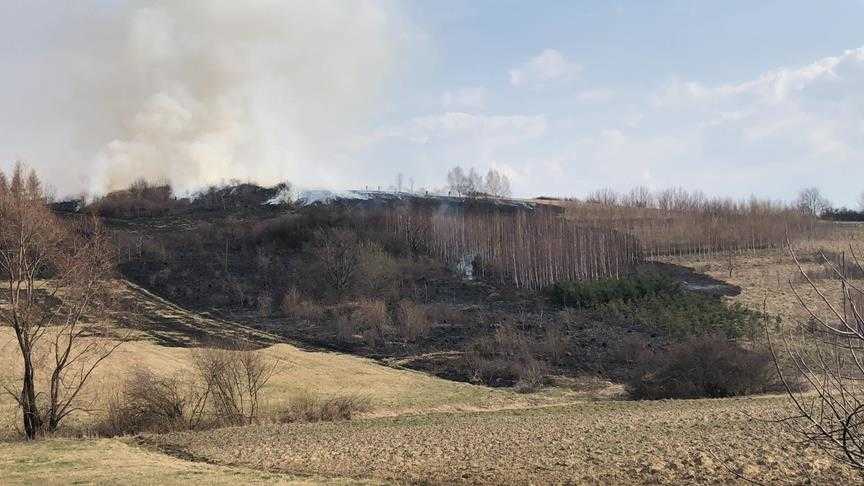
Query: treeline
point(521, 247)
point(842, 214)
point(680, 222)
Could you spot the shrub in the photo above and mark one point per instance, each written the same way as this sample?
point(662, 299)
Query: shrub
point(555, 342)
point(413, 321)
point(594, 293)
point(706, 366)
point(265, 304)
point(311, 408)
point(373, 321)
point(377, 272)
point(531, 374)
point(295, 306)
point(146, 403)
point(231, 381)
point(504, 359)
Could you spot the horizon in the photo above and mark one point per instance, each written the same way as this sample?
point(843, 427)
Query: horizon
point(734, 100)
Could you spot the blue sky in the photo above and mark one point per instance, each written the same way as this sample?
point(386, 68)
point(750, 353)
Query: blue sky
point(734, 98)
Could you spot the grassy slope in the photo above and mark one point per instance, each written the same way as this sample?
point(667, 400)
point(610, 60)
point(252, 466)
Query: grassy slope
point(391, 391)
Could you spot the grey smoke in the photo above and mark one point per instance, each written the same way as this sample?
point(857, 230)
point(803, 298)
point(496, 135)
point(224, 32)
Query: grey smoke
point(198, 91)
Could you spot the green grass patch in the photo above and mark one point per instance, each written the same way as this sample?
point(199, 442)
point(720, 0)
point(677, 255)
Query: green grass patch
point(656, 303)
point(584, 295)
point(683, 314)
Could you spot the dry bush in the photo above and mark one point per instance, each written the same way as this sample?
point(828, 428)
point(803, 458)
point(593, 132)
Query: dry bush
point(311, 408)
point(345, 329)
point(632, 351)
point(296, 306)
point(147, 403)
point(555, 342)
point(265, 304)
point(372, 321)
point(531, 374)
point(377, 272)
point(413, 320)
point(505, 359)
point(705, 366)
point(231, 381)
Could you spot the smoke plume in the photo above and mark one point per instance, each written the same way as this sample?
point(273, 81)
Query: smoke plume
point(196, 92)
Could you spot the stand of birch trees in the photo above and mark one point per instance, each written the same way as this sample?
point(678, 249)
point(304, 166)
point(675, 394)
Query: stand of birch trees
point(527, 248)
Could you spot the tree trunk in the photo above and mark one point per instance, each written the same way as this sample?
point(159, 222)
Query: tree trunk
point(29, 407)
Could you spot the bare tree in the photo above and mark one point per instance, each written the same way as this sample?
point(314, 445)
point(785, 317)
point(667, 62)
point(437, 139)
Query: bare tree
point(640, 197)
point(56, 280)
point(337, 252)
point(400, 182)
point(464, 183)
point(861, 202)
point(828, 356)
point(605, 197)
point(497, 184)
point(811, 202)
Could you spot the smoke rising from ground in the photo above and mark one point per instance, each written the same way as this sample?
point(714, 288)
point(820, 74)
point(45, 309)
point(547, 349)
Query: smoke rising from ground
point(194, 92)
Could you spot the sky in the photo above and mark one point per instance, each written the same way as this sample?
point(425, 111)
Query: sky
point(734, 98)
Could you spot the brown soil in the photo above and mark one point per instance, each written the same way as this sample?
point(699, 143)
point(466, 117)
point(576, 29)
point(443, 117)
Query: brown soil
point(666, 442)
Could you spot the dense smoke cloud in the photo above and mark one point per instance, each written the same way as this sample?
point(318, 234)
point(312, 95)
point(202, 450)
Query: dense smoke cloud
point(193, 91)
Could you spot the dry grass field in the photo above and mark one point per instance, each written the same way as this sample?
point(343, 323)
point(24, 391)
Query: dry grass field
point(114, 461)
point(424, 429)
point(764, 276)
point(297, 371)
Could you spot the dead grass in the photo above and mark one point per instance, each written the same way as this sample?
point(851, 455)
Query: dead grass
point(391, 391)
point(764, 275)
point(312, 408)
point(113, 461)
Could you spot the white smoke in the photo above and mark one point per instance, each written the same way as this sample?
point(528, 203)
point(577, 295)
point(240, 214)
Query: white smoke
point(201, 91)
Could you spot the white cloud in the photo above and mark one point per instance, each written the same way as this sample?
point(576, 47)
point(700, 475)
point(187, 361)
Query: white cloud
point(817, 109)
point(469, 98)
point(769, 135)
point(600, 95)
point(547, 68)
